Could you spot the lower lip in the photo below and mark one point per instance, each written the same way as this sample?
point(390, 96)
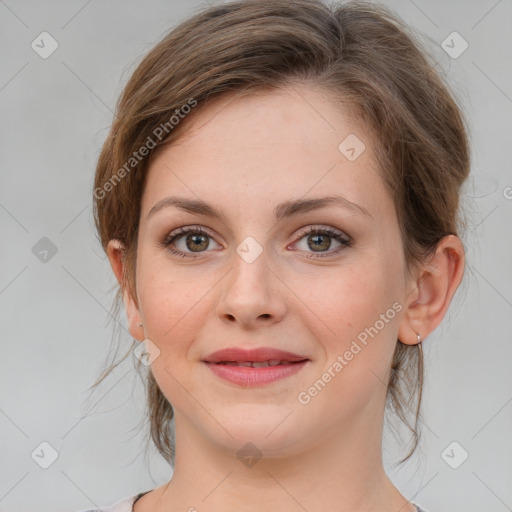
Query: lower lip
point(249, 376)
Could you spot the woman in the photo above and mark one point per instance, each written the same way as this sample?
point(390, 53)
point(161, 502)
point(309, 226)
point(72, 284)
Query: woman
point(278, 198)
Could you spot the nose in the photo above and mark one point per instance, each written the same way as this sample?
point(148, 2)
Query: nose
point(253, 294)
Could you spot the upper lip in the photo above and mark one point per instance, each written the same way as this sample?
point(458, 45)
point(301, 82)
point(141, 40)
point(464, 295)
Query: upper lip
point(255, 354)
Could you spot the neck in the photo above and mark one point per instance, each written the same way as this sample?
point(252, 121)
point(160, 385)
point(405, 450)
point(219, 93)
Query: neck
point(341, 471)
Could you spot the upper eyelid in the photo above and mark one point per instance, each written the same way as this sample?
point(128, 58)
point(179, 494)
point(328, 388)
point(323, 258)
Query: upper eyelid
point(318, 227)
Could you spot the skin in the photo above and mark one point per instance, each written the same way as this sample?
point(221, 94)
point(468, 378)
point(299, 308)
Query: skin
point(245, 156)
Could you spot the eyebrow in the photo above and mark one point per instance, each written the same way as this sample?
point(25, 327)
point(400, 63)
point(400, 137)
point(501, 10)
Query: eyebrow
point(282, 210)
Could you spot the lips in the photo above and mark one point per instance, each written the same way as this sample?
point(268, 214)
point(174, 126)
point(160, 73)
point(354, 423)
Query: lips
point(258, 357)
point(256, 367)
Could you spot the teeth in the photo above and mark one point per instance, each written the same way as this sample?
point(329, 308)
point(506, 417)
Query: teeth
point(256, 364)
point(259, 364)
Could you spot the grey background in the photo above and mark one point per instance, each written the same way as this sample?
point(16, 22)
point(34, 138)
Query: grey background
point(56, 113)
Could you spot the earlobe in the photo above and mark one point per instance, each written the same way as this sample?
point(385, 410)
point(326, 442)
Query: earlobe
point(440, 278)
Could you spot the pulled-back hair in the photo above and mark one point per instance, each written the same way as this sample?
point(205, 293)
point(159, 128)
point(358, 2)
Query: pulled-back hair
point(358, 52)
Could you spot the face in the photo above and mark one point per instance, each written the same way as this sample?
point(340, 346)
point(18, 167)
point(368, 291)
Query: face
point(324, 281)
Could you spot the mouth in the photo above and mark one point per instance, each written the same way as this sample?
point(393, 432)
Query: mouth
point(259, 364)
point(241, 356)
point(256, 366)
point(256, 373)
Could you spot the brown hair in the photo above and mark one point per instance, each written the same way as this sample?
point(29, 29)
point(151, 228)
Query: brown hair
point(360, 53)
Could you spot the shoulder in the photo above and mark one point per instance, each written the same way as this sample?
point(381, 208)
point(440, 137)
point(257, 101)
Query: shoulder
point(126, 505)
point(123, 505)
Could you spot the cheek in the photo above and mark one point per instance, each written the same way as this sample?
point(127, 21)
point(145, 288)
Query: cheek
point(174, 311)
point(175, 303)
point(359, 314)
point(361, 310)
point(161, 309)
point(348, 299)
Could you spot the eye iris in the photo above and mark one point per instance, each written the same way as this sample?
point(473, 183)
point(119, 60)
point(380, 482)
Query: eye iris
point(316, 245)
point(196, 242)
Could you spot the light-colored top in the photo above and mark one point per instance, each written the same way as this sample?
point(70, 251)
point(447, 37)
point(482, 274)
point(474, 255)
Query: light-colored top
point(126, 505)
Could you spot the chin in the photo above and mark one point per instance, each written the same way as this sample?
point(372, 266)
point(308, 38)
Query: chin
point(272, 433)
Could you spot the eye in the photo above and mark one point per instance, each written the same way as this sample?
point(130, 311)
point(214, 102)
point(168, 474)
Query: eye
point(321, 239)
point(194, 239)
point(186, 241)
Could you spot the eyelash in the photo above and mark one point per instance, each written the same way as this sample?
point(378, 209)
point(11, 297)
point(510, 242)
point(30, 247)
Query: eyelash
point(336, 235)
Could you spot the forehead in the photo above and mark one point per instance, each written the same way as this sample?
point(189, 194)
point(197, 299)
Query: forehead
point(266, 148)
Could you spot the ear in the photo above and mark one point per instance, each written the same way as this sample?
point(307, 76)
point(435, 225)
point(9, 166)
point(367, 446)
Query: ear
point(432, 291)
point(116, 254)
